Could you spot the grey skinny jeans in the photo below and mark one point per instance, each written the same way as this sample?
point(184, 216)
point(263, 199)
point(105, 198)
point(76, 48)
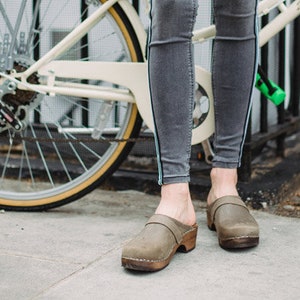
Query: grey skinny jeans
point(171, 80)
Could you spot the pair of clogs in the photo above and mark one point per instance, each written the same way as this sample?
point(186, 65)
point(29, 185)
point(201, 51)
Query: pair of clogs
point(153, 248)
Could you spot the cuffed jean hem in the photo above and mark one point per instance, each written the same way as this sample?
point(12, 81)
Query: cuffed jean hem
point(176, 179)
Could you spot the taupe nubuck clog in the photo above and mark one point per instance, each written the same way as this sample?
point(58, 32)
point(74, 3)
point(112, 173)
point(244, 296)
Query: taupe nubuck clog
point(235, 226)
point(153, 248)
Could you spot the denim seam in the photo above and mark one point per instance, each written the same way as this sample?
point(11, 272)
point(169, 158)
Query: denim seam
point(191, 78)
point(253, 84)
point(156, 138)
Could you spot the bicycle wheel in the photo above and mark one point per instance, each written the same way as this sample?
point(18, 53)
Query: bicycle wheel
point(57, 156)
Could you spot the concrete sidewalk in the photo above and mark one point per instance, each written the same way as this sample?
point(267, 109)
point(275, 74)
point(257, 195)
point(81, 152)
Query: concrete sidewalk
point(73, 252)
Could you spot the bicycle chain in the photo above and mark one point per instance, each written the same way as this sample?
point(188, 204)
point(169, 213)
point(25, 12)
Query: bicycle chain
point(86, 140)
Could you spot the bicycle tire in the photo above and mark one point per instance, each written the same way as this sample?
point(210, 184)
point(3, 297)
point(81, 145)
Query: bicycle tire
point(22, 173)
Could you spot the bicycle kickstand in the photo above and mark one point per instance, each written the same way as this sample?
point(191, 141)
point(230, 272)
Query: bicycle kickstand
point(208, 152)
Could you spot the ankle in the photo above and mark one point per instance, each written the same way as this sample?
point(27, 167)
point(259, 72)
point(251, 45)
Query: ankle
point(176, 203)
point(223, 183)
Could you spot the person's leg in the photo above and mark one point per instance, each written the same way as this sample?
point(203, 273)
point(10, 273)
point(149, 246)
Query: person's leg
point(171, 78)
point(234, 68)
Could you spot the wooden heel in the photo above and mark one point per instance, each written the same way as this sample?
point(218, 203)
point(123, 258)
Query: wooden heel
point(210, 223)
point(189, 240)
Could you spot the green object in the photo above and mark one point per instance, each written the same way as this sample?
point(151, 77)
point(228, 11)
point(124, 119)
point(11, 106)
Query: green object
point(269, 89)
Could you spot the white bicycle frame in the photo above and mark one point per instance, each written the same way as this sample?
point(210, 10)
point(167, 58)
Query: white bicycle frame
point(117, 73)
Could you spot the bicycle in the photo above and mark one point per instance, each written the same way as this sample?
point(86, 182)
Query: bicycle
point(79, 110)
